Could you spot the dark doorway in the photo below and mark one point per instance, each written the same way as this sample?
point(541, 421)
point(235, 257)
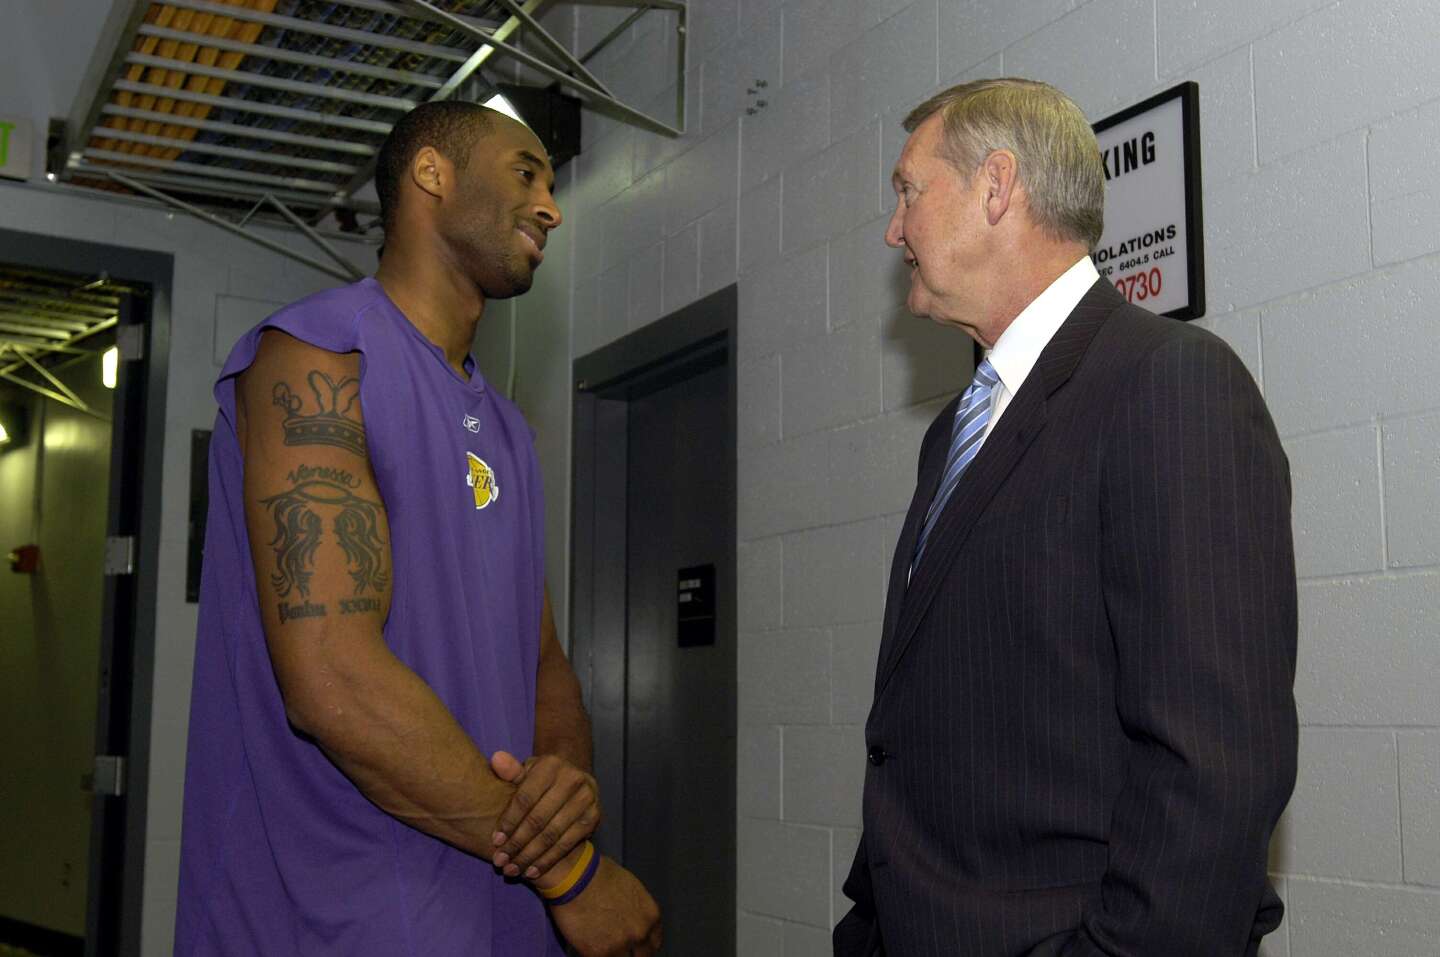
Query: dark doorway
point(79, 593)
point(653, 609)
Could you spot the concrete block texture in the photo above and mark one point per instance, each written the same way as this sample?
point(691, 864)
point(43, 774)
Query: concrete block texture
point(782, 486)
point(1336, 506)
point(703, 178)
point(1346, 920)
point(758, 772)
point(1420, 805)
point(1189, 32)
point(718, 248)
point(784, 678)
point(730, 72)
point(782, 302)
point(833, 192)
point(682, 267)
point(1261, 230)
point(1069, 52)
point(1405, 185)
point(760, 594)
point(1356, 349)
point(972, 30)
point(646, 287)
point(757, 385)
point(814, 29)
point(787, 868)
point(1344, 818)
point(833, 575)
point(1411, 467)
point(802, 940)
point(854, 652)
point(923, 360)
point(760, 936)
point(713, 27)
point(868, 279)
point(1227, 115)
point(793, 124)
point(892, 64)
point(758, 230)
point(1369, 652)
point(1317, 78)
point(824, 775)
point(831, 380)
point(870, 466)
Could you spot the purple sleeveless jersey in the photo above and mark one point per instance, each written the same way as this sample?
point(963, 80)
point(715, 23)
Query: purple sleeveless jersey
point(281, 855)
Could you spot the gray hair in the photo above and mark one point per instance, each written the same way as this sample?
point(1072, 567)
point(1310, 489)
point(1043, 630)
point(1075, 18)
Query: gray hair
point(1059, 161)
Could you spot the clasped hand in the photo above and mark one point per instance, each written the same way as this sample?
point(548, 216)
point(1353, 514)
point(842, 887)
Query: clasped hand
point(555, 807)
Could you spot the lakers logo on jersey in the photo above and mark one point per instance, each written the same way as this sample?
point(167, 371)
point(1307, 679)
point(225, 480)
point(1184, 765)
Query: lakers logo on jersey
point(481, 479)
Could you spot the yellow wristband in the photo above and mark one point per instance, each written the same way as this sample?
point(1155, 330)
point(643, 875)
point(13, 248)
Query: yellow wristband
point(571, 879)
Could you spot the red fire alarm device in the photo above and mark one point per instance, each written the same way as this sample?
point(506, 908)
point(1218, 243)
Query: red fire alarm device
point(25, 560)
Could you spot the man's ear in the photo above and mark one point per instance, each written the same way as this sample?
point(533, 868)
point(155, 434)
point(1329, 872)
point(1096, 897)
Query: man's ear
point(431, 172)
point(999, 181)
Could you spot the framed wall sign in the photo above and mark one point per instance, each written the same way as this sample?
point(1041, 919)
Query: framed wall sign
point(1153, 247)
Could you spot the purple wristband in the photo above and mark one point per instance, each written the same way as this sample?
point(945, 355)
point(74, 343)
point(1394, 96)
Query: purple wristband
point(581, 884)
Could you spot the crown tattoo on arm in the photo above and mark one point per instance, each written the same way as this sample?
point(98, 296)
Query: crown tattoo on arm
point(332, 422)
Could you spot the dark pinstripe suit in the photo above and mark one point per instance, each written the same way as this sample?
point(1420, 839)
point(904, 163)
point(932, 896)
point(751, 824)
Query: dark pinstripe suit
point(1083, 729)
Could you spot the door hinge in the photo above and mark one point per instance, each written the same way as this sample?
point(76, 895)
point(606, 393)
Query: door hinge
point(120, 555)
point(130, 340)
point(108, 779)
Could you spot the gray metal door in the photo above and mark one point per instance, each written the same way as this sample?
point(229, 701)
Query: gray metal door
point(652, 604)
point(680, 724)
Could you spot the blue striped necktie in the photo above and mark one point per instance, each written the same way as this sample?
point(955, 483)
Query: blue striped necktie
point(965, 437)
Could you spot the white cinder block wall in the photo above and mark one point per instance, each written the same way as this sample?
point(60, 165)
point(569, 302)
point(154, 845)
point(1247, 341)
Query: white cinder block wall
point(1322, 238)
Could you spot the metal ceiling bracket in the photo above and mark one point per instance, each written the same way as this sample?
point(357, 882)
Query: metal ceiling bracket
point(540, 66)
point(355, 274)
point(71, 398)
point(349, 274)
point(567, 59)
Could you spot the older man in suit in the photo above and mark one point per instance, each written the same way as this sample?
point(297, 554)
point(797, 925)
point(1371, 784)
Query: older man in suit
point(1084, 729)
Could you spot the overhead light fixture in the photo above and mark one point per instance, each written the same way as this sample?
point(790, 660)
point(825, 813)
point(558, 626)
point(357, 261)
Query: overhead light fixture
point(110, 366)
point(14, 426)
point(553, 116)
point(498, 102)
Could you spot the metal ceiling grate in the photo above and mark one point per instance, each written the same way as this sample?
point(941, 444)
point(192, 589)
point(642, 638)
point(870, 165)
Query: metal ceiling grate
point(48, 318)
point(226, 102)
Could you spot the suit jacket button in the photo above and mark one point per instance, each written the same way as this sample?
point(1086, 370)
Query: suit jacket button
point(877, 755)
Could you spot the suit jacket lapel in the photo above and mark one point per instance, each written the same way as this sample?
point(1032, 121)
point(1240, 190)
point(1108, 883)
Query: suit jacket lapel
point(1022, 421)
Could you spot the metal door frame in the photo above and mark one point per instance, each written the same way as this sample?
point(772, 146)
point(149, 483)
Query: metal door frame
point(127, 645)
point(691, 340)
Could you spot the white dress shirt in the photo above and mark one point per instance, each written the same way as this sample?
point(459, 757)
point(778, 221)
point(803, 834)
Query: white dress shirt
point(1020, 345)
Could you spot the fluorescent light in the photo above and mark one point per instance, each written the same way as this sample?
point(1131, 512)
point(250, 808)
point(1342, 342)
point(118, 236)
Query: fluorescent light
point(4, 436)
point(498, 102)
point(109, 366)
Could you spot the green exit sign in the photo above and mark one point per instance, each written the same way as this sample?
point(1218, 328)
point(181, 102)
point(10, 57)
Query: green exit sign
point(16, 135)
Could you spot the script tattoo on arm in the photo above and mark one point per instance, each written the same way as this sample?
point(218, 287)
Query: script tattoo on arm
point(318, 493)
